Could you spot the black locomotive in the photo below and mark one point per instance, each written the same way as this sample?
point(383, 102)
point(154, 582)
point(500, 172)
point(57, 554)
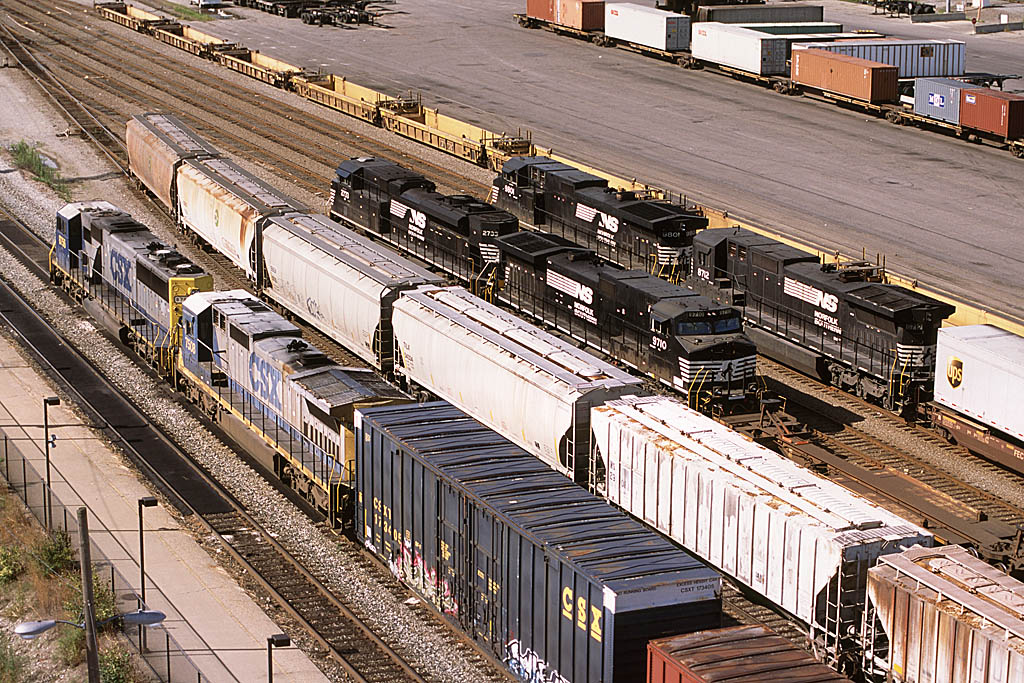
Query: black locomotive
point(455, 233)
point(627, 228)
point(685, 340)
point(839, 322)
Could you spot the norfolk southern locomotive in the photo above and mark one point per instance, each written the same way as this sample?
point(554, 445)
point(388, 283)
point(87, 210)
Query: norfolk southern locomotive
point(838, 322)
point(683, 339)
point(455, 233)
point(627, 228)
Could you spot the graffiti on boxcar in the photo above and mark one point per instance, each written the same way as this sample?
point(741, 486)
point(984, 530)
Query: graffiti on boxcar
point(409, 567)
point(527, 665)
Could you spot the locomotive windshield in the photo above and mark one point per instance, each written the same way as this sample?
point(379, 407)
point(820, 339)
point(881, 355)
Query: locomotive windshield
point(717, 324)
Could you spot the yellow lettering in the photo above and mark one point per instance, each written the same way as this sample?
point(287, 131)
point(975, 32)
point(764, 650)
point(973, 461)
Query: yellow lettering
point(581, 612)
point(567, 603)
point(595, 625)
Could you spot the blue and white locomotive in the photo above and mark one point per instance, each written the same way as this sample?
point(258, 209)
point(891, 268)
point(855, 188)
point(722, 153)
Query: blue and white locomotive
point(238, 355)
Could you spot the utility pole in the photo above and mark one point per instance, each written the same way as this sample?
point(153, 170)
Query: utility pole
point(85, 558)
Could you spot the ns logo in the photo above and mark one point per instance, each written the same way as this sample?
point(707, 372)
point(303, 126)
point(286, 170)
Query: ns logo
point(955, 372)
point(417, 219)
point(609, 223)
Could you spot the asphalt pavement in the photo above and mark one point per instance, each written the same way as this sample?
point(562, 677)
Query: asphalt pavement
point(939, 209)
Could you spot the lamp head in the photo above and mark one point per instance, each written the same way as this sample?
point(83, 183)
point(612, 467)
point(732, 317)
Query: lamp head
point(279, 640)
point(32, 629)
point(148, 502)
point(51, 401)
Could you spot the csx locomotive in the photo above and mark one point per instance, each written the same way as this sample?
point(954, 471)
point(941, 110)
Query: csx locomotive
point(629, 228)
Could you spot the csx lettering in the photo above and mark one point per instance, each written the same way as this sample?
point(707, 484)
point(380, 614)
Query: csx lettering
point(120, 271)
point(264, 378)
point(417, 218)
point(578, 613)
point(609, 223)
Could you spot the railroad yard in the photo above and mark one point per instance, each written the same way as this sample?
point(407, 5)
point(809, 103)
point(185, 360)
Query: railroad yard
point(503, 355)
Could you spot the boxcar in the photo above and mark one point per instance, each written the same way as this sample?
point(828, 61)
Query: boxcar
point(551, 580)
point(801, 541)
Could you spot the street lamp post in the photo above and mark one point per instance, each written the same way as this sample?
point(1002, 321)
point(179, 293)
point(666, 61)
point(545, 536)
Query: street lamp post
point(47, 402)
point(147, 502)
point(276, 640)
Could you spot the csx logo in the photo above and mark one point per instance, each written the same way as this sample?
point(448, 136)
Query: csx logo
point(121, 271)
point(609, 223)
point(580, 613)
point(830, 302)
point(264, 378)
point(955, 372)
point(417, 218)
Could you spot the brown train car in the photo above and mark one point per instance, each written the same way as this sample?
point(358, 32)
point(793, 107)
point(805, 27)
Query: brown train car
point(738, 653)
point(584, 15)
point(993, 111)
point(854, 77)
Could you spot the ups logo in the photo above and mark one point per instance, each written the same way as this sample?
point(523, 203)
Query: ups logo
point(955, 371)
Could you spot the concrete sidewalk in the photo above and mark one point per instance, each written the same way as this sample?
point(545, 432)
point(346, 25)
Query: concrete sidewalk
point(223, 632)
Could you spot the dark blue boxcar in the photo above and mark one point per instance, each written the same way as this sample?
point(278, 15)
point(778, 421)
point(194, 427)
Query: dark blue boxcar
point(552, 580)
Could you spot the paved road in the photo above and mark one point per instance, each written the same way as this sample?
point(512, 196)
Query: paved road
point(940, 209)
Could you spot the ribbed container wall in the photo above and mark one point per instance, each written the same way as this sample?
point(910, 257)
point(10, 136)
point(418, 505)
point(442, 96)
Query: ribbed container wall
point(915, 58)
point(585, 15)
point(747, 14)
point(545, 10)
point(850, 76)
point(993, 111)
point(647, 26)
point(740, 48)
point(939, 98)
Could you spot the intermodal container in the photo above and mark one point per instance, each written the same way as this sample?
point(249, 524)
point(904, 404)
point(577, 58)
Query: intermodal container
point(851, 76)
point(740, 48)
point(585, 15)
point(737, 653)
point(796, 28)
point(648, 26)
point(550, 579)
point(993, 111)
point(746, 14)
point(915, 58)
point(939, 98)
point(544, 10)
point(979, 373)
point(943, 615)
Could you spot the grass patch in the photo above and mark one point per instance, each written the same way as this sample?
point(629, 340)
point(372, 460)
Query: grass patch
point(12, 664)
point(183, 12)
point(54, 553)
point(26, 156)
point(116, 666)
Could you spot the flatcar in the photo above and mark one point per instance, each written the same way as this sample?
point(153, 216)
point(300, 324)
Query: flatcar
point(240, 357)
point(551, 580)
point(455, 233)
point(837, 322)
point(100, 252)
point(686, 341)
point(625, 227)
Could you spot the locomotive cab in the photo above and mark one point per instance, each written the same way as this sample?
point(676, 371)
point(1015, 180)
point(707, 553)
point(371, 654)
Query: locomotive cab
point(520, 187)
point(362, 188)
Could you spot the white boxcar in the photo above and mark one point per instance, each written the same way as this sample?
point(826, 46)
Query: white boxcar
point(338, 280)
point(798, 539)
point(941, 615)
point(225, 205)
point(532, 388)
point(914, 58)
point(648, 26)
point(157, 144)
point(740, 48)
point(979, 373)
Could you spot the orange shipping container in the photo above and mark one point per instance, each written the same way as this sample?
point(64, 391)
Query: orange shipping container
point(993, 111)
point(585, 15)
point(851, 76)
point(545, 10)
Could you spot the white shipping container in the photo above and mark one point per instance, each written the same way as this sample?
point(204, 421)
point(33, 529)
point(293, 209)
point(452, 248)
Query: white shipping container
point(532, 388)
point(741, 48)
point(947, 617)
point(794, 537)
point(338, 280)
point(979, 372)
point(914, 58)
point(648, 26)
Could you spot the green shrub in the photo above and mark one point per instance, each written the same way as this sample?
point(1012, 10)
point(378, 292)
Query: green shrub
point(116, 666)
point(11, 566)
point(71, 645)
point(27, 157)
point(104, 606)
point(54, 553)
point(12, 663)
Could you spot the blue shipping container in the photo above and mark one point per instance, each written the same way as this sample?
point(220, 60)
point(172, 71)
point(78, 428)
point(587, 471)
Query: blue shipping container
point(553, 581)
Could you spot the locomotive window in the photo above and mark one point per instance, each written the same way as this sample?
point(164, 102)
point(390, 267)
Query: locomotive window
point(222, 321)
point(188, 328)
point(688, 327)
point(726, 325)
point(241, 337)
point(743, 253)
point(732, 250)
point(87, 234)
point(702, 258)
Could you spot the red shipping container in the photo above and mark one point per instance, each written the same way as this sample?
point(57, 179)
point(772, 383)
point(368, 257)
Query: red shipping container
point(585, 15)
point(545, 10)
point(747, 653)
point(993, 111)
point(854, 77)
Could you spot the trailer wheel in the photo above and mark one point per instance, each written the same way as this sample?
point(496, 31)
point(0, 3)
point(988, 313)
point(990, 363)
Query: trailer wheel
point(894, 118)
point(525, 22)
point(1018, 151)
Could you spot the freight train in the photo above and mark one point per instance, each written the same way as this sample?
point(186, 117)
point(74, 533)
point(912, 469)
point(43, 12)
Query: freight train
point(837, 322)
point(632, 229)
